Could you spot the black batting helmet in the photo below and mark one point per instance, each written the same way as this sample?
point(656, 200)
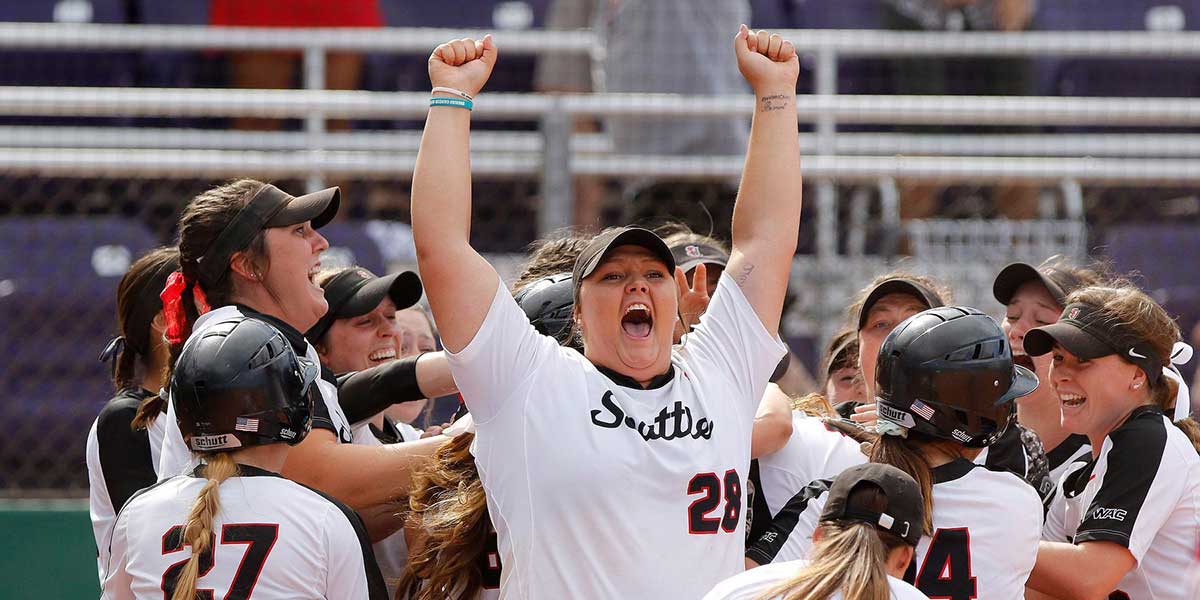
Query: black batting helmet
point(239, 383)
point(549, 303)
point(948, 373)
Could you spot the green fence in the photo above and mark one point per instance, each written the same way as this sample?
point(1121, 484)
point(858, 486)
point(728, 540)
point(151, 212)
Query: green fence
point(47, 551)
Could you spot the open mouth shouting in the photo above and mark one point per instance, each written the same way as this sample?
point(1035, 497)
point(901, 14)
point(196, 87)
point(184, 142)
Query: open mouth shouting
point(312, 274)
point(637, 321)
point(1020, 358)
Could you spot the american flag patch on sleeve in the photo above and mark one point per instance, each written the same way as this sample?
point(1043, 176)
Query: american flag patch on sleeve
point(922, 409)
point(244, 424)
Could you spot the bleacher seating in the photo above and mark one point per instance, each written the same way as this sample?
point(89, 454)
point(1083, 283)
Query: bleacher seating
point(1119, 77)
point(350, 244)
point(58, 279)
point(1156, 255)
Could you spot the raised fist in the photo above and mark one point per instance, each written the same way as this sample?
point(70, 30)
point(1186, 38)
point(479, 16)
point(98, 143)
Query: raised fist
point(767, 61)
point(463, 65)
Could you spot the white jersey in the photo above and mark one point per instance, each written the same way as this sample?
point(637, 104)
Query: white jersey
point(599, 488)
point(176, 458)
point(273, 539)
point(1019, 451)
point(1143, 493)
point(986, 530)
point(751, 584)
point(814, 451)
point(391, 552)
point(120, 461)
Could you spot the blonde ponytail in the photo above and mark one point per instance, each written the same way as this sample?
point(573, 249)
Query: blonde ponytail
point(198, 530)
point(901, 453)
point(849, 558)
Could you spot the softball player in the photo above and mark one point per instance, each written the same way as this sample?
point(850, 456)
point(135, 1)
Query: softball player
point(897, 296)
point(1034, 296)
point(945, 385)
point(862, 546)
point(124, 441)
point(356, 333)
point(234, 528)
point(455, 547)
point(250, 249)
point(1129, 524)
point(664, 433)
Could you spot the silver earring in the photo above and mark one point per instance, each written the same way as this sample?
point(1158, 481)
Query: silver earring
point(1137, 386)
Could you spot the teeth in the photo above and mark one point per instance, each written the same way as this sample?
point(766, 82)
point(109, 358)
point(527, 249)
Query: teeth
point(1072, 399)
point(1018, 352)
point(382, 355)
point(637, 306)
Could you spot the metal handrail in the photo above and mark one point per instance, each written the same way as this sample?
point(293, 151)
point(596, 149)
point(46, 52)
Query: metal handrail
point(421, 40)
point(889, 109)
point(227, 163)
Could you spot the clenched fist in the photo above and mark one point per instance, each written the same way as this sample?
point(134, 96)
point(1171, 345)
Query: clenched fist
point(767, 61)
point(463, 65)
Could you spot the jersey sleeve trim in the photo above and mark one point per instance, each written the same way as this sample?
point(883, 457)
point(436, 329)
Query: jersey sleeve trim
point(772, 540)
point(125, 460)
point(1133, 462)
point(121, 511)
point(1065, 450)
point(376, 589)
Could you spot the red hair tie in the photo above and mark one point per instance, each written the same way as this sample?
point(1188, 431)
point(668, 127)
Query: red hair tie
point(201, 300)
point(173, 309)
point(173, 313)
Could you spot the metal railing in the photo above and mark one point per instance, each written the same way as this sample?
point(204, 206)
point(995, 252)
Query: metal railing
point(833, 156)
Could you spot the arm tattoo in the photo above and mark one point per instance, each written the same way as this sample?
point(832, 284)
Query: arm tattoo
point(744, 276)
point(772, 103)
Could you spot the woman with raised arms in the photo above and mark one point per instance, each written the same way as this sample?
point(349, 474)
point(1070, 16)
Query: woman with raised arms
point(618, 472)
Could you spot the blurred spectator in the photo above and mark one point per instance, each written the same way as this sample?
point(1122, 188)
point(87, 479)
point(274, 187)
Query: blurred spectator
point(559, 72)
point(414, 336)
point(983, 76)
point(279, 69)
point(681, 47)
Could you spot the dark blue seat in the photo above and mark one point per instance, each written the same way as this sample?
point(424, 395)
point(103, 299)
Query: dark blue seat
point(855, 75)
point(1158, 255)
point(58, 279)
point(349, 244)
point(1118, 77)
point(409, 72)
point(772, 14)
point(65, 67)
point(178, 68)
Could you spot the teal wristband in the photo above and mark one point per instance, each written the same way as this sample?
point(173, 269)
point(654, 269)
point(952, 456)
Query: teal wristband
point(456, 102)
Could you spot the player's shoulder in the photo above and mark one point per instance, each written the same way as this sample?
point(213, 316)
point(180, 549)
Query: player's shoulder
point(121, 408)
point(1145, 425)
point(1145, 441)
point(752, 583)
point(1001, 487)
point(167, 490)
point(811, 431)
point(335, 510)
point(902, 590)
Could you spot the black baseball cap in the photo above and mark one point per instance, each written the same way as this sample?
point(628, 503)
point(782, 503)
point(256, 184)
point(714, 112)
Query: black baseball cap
point(593, 254)
point(897, 285)
point(270, 207)
point(1089, 332)
point(689, 256)
point(904, 514)
point(1058, 282)
point(357, 291)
